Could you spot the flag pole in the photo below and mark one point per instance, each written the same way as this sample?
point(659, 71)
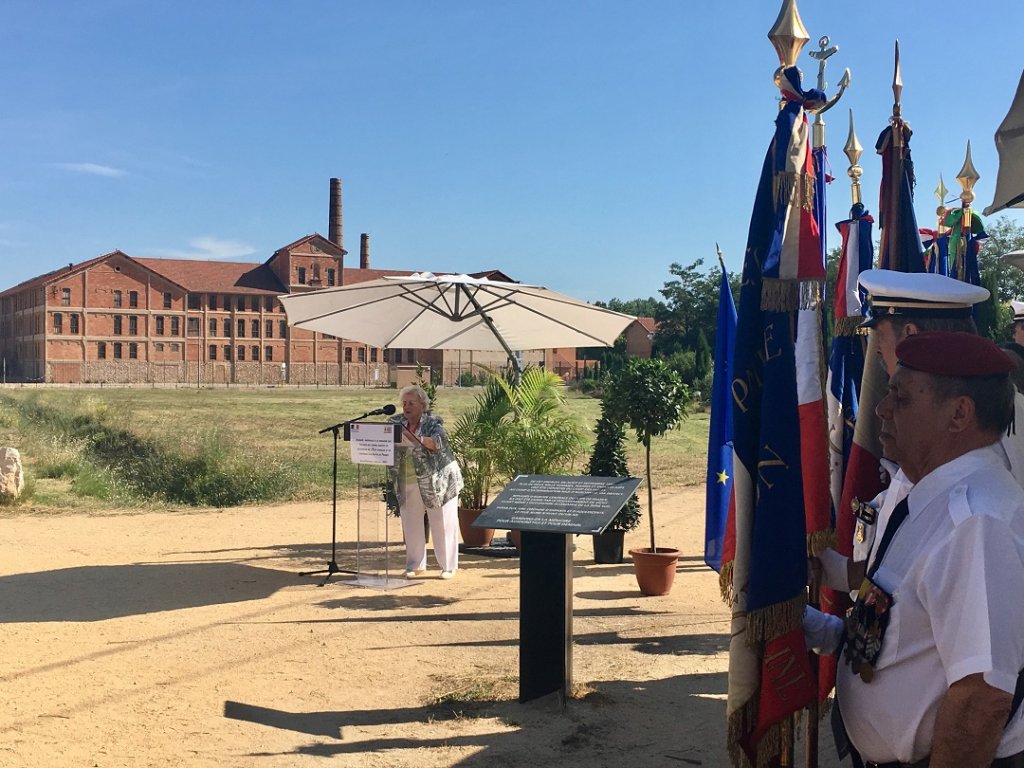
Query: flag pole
point(966, 178)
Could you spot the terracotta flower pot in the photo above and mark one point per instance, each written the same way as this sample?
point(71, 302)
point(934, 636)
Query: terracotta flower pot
point(516, 537)
point(655, 571)
point(473, 537)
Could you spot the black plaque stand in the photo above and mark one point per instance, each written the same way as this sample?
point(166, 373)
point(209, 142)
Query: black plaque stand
point(545, 615)
point(549, 509)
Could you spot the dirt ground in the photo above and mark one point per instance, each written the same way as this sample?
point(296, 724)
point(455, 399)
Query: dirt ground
point(163, 639)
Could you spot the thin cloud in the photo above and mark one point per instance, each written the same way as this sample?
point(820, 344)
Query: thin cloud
point(93, 169)
point(209, 249)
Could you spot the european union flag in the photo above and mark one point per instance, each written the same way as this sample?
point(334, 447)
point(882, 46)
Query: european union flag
point(719, 477)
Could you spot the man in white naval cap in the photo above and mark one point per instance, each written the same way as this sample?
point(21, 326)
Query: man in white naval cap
point(902, 304)
point(1017, 308)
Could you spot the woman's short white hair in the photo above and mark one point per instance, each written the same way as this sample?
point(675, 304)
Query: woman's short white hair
point(415, 389)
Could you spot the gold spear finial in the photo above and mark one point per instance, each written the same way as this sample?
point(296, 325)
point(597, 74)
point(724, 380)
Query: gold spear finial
point(897, 86)
point(788, 34)
point(853, 151)
point(940, 192)
point(967, 178)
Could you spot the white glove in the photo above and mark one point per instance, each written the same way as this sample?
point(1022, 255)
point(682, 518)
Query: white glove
point(834, 570)
point(822, 631)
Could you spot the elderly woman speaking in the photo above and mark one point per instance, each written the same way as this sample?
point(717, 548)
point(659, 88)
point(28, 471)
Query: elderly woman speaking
point(426, 478)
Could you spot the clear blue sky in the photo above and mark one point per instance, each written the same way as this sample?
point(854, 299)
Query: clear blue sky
point(581, 144)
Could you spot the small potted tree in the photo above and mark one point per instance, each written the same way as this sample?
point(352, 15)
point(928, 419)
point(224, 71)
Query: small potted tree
point(472, 440)
point(608, 459)
point(652, 399)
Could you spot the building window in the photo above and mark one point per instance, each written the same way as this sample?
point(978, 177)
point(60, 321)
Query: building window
point(133, 326)
point(213, 326)
point(255, 303)
point(117, 325)
point(133, 298)
point(193, 326)
point(133, 351)
point(212, 303)
point(117, 298)
point(373, 355)
point(174, 347)
point(302, 275)
point(175, 326)
point(255, 351)
point(117, 350)
point(316, 273)
point(268, 354)
point(58, 322)
point(387, 355)
point(159, 325)
point(282, 329)
point(348, 354)
point(255, 329)
point(65, 297)
point(213, 352)
point(398, 355)
point(241, 329)
point(241, 304)
point(73, 323)
point(241, 353)
point(101, 350)
point(193, 301)
point(159, 346)
point(227, 352)
point(361, 354)
point(268, 329)
point(268, 304)
point(227, 327)
point(330, 276)
point(167, 300)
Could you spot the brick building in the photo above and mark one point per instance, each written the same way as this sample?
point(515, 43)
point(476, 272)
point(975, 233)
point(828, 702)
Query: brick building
point(123, 319)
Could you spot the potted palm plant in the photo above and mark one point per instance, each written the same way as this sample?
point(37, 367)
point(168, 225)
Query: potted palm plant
point(539, 436)
point(608, 459)
point(472, 440)
point(652, 399)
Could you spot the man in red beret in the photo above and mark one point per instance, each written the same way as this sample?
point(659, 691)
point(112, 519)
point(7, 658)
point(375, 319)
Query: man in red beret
point(935, 642)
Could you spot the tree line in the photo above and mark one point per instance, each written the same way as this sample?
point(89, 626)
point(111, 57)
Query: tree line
point(687, 310)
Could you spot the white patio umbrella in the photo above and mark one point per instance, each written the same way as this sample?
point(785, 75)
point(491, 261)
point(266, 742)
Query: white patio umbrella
point(1010, 145)
point(1015, 258)
point(426, 311)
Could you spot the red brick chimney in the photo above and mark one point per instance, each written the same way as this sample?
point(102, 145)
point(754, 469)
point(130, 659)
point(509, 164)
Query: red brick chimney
point(334, 232)
point(364, 251)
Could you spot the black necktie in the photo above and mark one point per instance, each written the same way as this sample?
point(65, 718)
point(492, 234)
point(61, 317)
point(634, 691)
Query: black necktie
point(899, 514)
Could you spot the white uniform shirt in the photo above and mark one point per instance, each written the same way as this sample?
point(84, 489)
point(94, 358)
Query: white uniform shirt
point(955, 568)
point(1010, 448)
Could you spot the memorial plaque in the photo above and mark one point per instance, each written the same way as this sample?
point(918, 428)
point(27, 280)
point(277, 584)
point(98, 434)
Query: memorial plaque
point(558, 503)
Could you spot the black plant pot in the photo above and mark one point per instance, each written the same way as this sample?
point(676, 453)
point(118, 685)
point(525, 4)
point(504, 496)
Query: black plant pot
point(608, 547)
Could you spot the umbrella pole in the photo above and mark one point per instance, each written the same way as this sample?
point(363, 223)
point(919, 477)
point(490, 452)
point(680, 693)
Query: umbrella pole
point(516, 366)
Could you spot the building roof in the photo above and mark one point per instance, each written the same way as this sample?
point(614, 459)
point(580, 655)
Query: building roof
point(217, 276)
point(57, 274)
point(649, 324)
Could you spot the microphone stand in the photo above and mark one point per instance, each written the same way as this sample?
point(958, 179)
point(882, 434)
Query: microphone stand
point(332, 564)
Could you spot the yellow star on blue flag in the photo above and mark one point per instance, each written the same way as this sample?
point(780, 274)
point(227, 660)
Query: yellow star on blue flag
point(723, 478)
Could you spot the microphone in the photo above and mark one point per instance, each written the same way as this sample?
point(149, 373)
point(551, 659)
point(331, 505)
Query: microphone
point(387, 410)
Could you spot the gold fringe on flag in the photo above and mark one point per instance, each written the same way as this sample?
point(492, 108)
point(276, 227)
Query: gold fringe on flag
point(778, 737)
point(725, 584)
point(768, 623)
point(819, 541)
point(846, 326)
point(779, 295)
point(786, 184)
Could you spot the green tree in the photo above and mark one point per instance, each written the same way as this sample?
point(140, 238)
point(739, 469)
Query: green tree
point(608, 459)
point(1005, 281)
point(639, 307)
point(691, 308)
